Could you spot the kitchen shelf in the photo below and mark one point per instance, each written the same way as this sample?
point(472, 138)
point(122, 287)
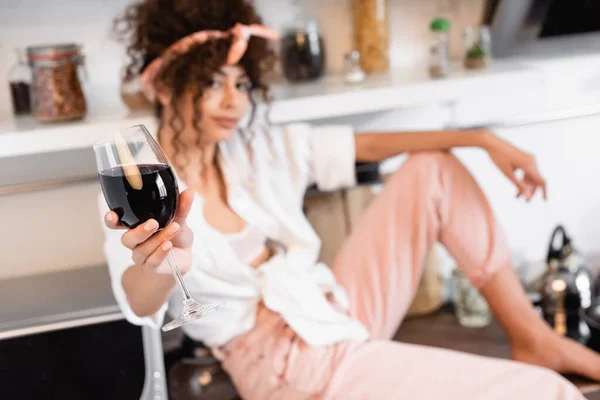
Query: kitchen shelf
point(328, 97)
point(58, 300)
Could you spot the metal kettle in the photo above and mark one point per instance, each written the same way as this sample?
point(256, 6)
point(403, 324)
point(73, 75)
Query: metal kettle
point(567, 288)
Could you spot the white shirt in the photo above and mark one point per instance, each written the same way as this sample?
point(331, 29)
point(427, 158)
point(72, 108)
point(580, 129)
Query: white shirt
point(248, 244)
point(267, 171)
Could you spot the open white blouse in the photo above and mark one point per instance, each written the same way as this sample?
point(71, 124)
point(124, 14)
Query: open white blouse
point(267, 171)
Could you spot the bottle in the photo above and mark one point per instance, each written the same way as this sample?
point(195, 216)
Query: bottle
point(19, 80)
point(439, 63)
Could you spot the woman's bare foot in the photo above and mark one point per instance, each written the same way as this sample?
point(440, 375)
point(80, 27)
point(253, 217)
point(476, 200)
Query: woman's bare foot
point(559, 354)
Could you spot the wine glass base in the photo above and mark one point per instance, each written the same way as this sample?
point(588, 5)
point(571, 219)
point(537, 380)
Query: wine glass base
point(192, 311)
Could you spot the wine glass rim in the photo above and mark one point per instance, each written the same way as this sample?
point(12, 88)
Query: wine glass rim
point(102, 142)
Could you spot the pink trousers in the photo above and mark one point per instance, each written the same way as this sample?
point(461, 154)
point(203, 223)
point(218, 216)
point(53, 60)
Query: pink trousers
point(432, 197)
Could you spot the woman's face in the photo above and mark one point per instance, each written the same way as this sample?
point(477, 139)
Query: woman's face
point(224, 103)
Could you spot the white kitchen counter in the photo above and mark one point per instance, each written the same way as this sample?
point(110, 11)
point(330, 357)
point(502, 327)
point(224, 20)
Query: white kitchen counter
point(327, 98)
point(25, 136)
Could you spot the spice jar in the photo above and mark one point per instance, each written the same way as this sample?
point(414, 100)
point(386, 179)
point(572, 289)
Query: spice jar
point(353, 73)
point(478, 47)
point(19, 80)
point(56, 90)
point(371, 34)
point(439, 63)
point(303, 51)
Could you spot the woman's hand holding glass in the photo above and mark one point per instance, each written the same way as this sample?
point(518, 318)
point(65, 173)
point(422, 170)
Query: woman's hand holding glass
point(150, 248)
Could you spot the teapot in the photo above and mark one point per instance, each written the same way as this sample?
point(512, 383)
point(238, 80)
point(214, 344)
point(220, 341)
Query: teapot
point(567, 288)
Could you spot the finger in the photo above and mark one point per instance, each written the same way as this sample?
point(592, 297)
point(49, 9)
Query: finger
point(538, 182)
point(134, 237)
point(530, 191)
point(158, 257)
point(519, 184)
point(184, 239)
point(534, 176)
point(143, 250)
point(541, 183)
point(544, 191)
point(111, 220)
point(186, 198)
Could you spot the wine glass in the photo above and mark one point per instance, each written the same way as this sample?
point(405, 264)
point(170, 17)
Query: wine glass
point(138, 184)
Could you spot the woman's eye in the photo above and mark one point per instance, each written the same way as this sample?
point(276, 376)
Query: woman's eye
point(215, 84)
point(244, 86)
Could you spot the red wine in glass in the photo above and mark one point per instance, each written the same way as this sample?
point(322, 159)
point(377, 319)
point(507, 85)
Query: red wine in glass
point(139, 184)
point(157, 199)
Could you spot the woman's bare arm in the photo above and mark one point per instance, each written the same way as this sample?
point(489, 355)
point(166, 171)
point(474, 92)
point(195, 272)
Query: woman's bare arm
point(379, 146)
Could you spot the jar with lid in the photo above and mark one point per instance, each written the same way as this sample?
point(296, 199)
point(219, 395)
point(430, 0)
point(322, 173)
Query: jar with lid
point(439, 63)
point(478, 47)
point(302, 48)
point(371, 34)
point(56, 89)
point(19, 80)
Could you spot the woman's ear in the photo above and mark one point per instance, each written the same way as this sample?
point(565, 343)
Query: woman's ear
point(163, 96)
point(152, 91)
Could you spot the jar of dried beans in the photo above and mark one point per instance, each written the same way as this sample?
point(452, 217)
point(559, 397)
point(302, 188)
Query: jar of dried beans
point(371, 34)
point(56, 89)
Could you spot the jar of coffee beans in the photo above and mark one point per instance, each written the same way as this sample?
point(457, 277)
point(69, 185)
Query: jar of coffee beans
point(303, 50)
point(56, 89)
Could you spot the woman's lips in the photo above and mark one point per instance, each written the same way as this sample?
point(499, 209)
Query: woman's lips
point(227, 123)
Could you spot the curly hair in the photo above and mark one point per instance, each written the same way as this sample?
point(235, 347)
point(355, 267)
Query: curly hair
point(149, 27)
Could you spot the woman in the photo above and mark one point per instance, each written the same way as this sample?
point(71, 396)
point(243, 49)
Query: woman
point(292, 328)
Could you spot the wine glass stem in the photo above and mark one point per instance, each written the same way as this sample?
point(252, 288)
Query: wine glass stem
point(178, 277)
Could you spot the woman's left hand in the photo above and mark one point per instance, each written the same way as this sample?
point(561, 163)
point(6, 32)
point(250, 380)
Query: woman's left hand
point(510, 160)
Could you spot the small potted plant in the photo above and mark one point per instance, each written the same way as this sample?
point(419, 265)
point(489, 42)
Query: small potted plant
point(478, 48)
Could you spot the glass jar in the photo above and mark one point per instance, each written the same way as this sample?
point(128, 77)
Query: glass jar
point(56, 89)
point(303, 51)
point(477, 46)
point(471, 308)
point(19, 80)
point(371, 34)
point(439, 63)
point(353, 73)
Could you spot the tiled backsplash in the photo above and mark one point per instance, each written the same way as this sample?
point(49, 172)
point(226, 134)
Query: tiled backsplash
point(27, 22)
